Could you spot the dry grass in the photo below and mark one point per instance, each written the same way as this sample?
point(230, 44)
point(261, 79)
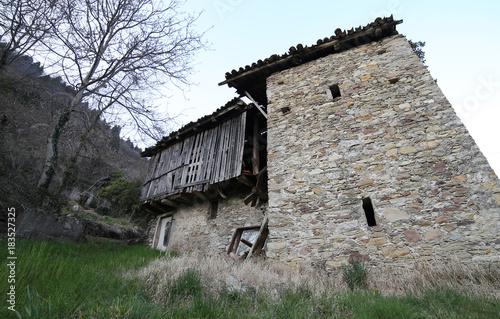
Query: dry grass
point(268, 276)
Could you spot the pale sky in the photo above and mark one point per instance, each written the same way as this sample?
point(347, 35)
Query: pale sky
point(462, 49)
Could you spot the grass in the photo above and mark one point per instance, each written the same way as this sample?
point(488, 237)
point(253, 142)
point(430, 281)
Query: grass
point(109, 280)
point(65, 279)
point(355, 274)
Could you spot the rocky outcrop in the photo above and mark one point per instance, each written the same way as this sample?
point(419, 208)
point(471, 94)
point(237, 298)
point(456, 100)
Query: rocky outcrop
point(38, 224)
point(104, 230)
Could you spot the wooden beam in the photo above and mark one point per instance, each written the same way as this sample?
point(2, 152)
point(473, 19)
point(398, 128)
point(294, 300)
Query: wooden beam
point(249, 198)
point(201, 195)
point(246, 242)
point(147, 207)
point(160, 207)
point(245, 180)
point(184, 198)
point(219, 189)
point(255, 156)
point(260, 193)
point(262, 227)
point(169, 202)
point(261, 109)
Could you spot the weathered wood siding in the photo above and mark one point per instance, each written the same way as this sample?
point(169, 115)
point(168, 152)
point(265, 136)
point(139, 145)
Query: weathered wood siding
point(198, 161)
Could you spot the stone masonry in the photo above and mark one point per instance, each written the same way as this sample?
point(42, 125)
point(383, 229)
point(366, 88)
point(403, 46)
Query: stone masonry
point(391, 136)
point(193, 230)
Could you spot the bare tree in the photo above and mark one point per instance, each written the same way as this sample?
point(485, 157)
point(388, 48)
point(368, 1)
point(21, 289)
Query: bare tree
point(23, 25)
point(116, 54)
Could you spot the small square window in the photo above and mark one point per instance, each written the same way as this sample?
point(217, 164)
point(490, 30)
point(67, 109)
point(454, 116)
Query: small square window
point(285, 110)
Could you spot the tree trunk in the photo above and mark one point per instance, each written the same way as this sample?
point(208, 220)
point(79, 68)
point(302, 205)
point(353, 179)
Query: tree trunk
point(52, 155)
point(72, 168)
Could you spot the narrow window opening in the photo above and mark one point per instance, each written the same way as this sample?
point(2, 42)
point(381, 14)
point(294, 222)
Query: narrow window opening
point(335, 90)
point(214, 207)
point(285, 110)
point(369, 212)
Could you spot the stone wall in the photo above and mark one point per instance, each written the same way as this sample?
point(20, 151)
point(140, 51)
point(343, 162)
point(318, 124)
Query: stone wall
point(194, 230)
point(391, 136)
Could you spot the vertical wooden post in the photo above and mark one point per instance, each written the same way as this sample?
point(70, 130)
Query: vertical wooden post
point(255, 157)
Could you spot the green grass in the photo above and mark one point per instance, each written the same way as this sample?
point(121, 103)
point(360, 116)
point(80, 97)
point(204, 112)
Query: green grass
point(96, 280)
point(65, 279)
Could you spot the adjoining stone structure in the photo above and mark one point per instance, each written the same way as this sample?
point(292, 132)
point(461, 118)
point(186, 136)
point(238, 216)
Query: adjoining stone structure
point(203, 228)
point(366, 157)
point(201, 179)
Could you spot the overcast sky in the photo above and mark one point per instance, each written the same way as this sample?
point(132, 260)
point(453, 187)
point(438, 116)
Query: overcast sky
point(462, 49)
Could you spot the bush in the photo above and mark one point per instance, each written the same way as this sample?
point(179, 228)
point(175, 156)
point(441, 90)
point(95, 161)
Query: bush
point(122, 193)
point(355, 274)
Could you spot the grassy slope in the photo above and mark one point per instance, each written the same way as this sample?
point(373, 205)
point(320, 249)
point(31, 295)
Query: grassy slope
point(98, 280)
point(87, 279)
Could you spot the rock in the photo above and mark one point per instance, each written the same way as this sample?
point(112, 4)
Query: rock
point(393, 252)
point(237, 285)
point(455, 236)
point(38, 224)
point(377, 241)
point(400, 252)
point(433, 234)
point(394, 214)
point(408, 150)
point(412, 236)
point(444, 219)
point(303, 251)
point(101, 229)
point(357, 257)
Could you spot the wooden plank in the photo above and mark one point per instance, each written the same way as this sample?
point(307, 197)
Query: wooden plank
point(207, 138)
point(241, 142)
point(200, 195)
point(223, 150)
point(188, 147)
point(262, 227)
point(211, 169)
point(231, 149)
point(255, 154)
point(217, 156)
point(238, 157)
point(160, 207)
point(197, 155)
point(245, 180)
point(169, 202)
point(192, 184)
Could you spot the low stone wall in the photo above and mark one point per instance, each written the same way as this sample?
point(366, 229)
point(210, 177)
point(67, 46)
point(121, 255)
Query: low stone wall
point(194, 230)
point(391, 136)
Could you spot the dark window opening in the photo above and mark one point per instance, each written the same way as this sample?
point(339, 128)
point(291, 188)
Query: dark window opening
point(214, 207)
point(335, 90)
point(369, 212)
point(285, 110)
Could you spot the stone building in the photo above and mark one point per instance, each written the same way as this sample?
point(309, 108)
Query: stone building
point(365, 158)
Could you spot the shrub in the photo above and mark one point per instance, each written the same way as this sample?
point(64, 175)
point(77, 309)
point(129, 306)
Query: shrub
point(122, 193)
point(354, 274)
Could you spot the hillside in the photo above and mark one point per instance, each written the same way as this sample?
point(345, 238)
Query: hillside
point(30, 102)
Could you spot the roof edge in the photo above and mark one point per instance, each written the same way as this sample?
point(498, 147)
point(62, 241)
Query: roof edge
point(296, 55)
